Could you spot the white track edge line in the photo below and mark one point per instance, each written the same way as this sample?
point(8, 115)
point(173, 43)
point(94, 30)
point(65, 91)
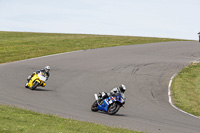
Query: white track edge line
point(43, 57)
point(170, 98)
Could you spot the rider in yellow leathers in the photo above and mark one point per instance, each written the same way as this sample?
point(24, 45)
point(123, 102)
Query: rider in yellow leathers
point(45, 72)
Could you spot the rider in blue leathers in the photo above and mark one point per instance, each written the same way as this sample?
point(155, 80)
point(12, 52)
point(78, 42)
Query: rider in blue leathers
point(115, 91)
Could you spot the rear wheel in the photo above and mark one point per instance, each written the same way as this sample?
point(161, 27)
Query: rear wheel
point(35, 84)
point(113, 109)
point(94, 106)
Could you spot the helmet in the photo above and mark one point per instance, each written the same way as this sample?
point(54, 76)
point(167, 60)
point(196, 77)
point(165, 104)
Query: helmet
point(47, 68)
point(122, 88)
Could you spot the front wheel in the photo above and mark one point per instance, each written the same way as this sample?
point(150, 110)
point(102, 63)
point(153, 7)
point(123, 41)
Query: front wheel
point(26, 85)
point(94, 106)
point(35, 84)
point(113, 109)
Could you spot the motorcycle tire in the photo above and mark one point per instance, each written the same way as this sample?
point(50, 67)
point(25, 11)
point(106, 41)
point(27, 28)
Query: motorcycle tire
point(94, 106)
point(113, 108)
point(35, 84)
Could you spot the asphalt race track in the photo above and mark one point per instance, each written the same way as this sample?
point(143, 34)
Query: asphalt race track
point(145, 69)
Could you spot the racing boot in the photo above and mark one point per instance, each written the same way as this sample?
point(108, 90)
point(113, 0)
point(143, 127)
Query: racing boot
point(43, 84)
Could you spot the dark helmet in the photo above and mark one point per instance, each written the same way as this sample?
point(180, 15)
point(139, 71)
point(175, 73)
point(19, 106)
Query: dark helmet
point(122, 88)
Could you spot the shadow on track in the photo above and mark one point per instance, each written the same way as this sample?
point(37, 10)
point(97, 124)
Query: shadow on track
point(39, 89)
point(121, 115)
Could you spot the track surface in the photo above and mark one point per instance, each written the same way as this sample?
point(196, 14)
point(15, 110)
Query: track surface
point(145, 69)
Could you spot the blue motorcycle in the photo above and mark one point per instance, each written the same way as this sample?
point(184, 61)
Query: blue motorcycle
point(111, 104)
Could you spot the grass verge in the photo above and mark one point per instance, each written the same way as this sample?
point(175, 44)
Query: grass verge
point(13, 119)
point(186, 89)
point(23, 45)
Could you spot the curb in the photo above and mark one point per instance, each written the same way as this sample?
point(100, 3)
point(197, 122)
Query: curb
point(169, 93)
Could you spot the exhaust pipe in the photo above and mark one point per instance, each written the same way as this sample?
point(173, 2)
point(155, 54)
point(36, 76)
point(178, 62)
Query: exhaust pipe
point(96, 96)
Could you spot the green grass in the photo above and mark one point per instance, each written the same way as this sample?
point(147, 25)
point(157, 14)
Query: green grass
point(17, 120)
point(186, 89)
point(23, 45)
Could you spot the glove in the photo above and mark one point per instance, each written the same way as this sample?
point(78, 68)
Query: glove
point(103, 94)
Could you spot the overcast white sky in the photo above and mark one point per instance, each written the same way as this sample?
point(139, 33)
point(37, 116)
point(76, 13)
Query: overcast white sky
point(153, 18)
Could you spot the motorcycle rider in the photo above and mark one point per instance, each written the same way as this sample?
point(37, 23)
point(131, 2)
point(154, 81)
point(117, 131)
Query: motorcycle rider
point(115, 91)
point(46, 73)
point(199, 36)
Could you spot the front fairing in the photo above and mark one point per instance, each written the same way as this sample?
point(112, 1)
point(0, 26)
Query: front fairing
point(104, 106)
point(108, 101)
point(34, 78)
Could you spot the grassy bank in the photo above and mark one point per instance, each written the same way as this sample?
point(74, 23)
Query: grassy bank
point(22, 45)
point(19, 120)
point(186, 89)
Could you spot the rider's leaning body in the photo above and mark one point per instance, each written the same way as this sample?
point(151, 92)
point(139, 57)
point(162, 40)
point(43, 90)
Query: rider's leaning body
point(45, 72)
point(115, 91)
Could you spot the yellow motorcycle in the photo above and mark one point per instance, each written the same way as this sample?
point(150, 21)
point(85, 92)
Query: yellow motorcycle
point(36, 80)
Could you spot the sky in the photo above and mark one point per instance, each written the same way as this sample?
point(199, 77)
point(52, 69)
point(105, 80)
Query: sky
point(148, 18)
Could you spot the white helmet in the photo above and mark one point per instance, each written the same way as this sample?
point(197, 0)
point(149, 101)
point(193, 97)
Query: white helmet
point(47, 68)
point(122, 88)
